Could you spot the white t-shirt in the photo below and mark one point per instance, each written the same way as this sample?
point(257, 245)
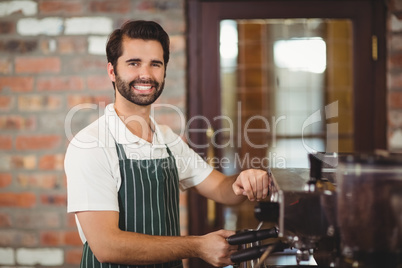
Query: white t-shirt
point(92, 167)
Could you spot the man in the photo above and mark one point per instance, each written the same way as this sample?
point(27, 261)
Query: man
point(122, 176)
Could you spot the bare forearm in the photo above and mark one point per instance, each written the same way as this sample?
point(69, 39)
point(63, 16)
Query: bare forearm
point(219, 188)
point(139, 249)
point(227, 194)
point(112, 245)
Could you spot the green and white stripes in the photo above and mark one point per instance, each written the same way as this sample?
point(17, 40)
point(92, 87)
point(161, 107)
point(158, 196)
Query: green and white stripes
point(148, 202)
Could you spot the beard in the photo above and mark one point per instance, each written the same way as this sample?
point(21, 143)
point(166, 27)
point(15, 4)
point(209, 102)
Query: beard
point(125, 89)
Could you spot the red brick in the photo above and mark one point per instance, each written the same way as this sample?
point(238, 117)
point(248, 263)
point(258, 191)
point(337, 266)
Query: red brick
point(72, 45)
point(60, 7)
point(177, 44)
point(5, 180)
point(52, 162)
point(38, 180)
point(60, 83)
point(7, 27)
point(37, 65)
point(24, 200)
point(395, 81)
point(26, 161)
point(51, 238)
point(17, 83)
point(44, 142)
point(72, 238)
point(5, 161)
point(54, 199)
point(16, 122)
point(88, 63)
point(39, 103)
point(71, 220)
point(174, 26)
point(64, 180)
point(177, 101)
point(18, 46)
point(6, 102)
point(47, 46)
point(5, 220)
point(99, 82)
point(73, 256)
point(395, 61)
point(121, 7)
point(80, 99)
point(145, 6)
point(395, 99)
point(6, 143)
point(37, 219)
point(18, 238)
point(5, 66)
point(395, 42)
point(172, 119)
point(395, 119)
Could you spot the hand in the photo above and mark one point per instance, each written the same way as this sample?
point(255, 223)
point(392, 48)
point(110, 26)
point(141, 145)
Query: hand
point(253, 183)
point(215, 250)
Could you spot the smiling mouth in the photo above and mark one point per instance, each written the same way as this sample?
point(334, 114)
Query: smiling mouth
point(142, 88)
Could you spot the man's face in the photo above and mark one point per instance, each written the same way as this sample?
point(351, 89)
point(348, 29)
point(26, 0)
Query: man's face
point(140, 71)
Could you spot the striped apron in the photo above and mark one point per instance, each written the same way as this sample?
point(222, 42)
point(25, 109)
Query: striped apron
point(148, 203)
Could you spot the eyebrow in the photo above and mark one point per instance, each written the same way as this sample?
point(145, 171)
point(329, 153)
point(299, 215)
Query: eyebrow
point(139, 60)
point(133, 60)
point(157, 61)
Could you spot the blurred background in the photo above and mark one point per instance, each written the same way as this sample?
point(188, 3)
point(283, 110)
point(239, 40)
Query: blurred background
point(52, 58)
point(53, 82)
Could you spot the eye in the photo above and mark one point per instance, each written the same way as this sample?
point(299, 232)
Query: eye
point(156, 63)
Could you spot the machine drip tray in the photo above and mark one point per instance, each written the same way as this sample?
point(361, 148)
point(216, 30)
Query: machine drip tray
point(288, 258)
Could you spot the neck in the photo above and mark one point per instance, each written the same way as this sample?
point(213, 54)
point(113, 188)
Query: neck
point(136, 118)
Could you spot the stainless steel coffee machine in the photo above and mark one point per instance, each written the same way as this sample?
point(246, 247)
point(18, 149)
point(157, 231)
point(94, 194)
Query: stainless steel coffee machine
point(345, 211)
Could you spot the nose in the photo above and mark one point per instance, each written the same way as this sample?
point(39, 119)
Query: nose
point(145, 72)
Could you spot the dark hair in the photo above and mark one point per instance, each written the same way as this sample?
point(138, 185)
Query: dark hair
point(139, 29)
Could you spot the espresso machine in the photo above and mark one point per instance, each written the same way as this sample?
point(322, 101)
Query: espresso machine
point(345, 211)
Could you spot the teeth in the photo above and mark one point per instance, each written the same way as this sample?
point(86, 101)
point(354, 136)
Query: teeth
point(143, 87)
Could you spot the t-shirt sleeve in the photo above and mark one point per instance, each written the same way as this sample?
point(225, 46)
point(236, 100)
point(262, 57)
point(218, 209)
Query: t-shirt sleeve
point(90, 181)
point(192, 168)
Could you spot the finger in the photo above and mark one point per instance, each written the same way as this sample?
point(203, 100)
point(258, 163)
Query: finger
point(265, 186)
point(237, 189)
point(233, 247)
point(232, 251)
point(258, 185)
point(226, 233)
point(248, 189)
point(258, 188)
point(271, 184)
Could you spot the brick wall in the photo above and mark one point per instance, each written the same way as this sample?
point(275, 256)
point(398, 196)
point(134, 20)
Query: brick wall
point(394, 75)
point(51, 60)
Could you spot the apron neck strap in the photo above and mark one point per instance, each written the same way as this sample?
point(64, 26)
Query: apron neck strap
point(168, 150)
point(120, 151)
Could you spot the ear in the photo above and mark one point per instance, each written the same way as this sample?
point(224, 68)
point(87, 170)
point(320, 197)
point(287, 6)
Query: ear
point(110, 72)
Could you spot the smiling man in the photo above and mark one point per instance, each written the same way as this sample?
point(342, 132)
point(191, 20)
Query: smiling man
point(124, 190)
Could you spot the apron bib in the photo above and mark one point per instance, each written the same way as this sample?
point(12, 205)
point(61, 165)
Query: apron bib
point(148, 203)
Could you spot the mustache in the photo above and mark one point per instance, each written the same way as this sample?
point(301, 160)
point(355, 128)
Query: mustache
point(144, 81)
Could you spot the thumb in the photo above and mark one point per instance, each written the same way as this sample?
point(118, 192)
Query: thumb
point(237, 188)
point(226, 233)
